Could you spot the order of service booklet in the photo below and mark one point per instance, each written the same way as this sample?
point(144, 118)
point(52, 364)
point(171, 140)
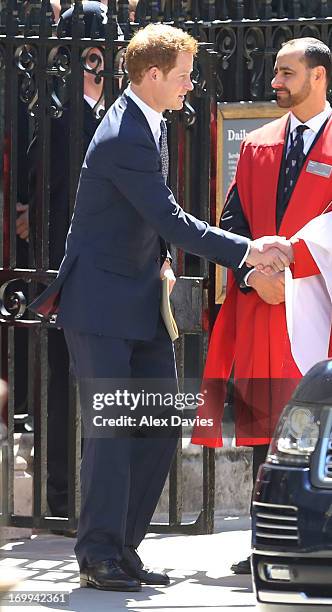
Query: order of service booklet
point(166, 311)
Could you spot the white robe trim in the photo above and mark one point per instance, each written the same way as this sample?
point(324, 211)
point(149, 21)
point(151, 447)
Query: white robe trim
point(309, 300)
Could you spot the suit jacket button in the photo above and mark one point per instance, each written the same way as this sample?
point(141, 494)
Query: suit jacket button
point(157, 259)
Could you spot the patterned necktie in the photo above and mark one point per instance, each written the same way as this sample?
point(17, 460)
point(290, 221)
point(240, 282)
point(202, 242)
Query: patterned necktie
point(163, 150)
point(294, 160)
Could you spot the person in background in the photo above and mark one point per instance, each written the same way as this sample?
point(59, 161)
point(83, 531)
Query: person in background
point(132, 5)
point(56, 8)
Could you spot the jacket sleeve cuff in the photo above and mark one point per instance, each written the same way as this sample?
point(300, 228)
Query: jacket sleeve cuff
point(245, 256)
point(304, 264)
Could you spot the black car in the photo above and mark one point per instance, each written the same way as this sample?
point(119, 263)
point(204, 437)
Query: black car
point(292, 504)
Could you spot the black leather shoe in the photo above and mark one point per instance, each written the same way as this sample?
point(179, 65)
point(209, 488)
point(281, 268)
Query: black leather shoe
point(147, 576)
point(242, 567)
point(108, 576)
point(133, 565)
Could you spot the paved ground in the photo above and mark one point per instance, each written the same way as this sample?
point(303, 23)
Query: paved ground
point(198, 567)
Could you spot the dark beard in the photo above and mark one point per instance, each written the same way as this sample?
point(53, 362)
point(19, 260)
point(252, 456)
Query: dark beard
point(289, 100)
point(285, 101)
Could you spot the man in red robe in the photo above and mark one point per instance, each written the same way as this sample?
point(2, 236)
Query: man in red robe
point(283, 181)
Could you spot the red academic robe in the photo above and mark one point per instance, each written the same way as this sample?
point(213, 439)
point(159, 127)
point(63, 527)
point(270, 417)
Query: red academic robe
point(249, 334)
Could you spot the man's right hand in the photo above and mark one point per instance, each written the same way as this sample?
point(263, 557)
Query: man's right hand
point(270, 254)
point(271, 289)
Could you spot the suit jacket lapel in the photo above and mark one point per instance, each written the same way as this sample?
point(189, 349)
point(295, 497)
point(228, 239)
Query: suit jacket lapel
point(138, 115)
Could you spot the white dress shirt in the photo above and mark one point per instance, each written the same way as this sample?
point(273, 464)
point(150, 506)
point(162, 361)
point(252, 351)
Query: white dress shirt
point(314, 124)
point(91, 102)
point(152, 116)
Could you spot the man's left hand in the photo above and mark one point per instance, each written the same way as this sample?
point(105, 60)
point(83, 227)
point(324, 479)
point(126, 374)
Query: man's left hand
point(271, 289)
point(166, 270)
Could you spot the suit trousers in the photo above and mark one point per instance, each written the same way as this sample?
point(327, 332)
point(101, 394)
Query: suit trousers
point(121, 477)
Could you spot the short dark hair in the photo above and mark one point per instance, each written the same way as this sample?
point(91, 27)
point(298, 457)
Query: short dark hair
point(316, 53)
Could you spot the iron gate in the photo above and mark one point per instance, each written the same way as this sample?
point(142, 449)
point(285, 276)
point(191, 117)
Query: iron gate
point(38, 70)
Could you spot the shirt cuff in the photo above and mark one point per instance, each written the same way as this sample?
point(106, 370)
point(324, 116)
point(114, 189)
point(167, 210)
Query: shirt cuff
point(245, 278)
point(245, 256)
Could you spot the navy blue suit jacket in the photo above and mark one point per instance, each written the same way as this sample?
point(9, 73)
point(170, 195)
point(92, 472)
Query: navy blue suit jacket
point(109, 279)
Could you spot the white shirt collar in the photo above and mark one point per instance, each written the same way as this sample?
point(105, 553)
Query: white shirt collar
point(90, 101)
point(152, 116)
point(315, 123)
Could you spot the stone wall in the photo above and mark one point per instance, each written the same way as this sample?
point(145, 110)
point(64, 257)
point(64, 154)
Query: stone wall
point(233, 480)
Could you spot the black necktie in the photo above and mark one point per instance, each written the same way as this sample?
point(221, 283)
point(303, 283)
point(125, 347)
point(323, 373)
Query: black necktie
point(294, 160)
point(163, 149)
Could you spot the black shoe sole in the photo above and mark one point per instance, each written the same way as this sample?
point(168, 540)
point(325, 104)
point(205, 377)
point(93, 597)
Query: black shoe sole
point(141, 579)
point(161, 584)
point(91, 585)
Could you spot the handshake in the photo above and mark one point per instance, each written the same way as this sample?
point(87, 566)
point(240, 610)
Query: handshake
point(270, 254)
